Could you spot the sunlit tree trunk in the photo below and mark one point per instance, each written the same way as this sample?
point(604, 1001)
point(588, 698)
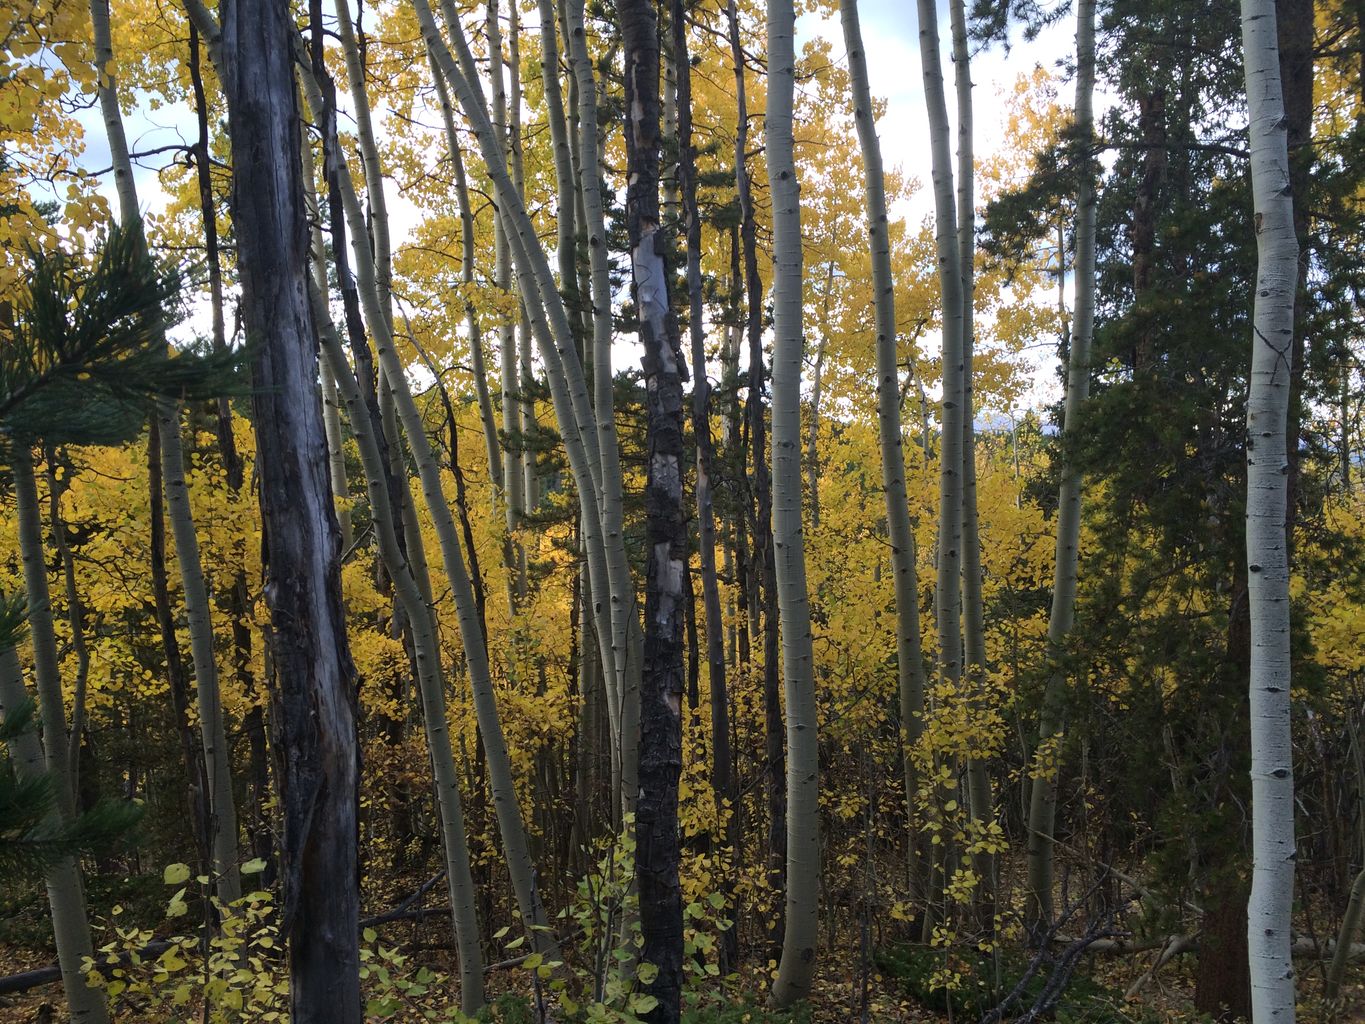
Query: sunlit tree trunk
point(316, 730)
point(1270, 908)
point(198, 612)
point(1043, 792)
point(909, 656)
point(797, 967)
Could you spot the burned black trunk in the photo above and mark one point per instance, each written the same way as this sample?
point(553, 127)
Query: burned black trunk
point(661, 686)
point(313, 704)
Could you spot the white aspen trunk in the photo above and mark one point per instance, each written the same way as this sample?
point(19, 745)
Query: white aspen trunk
point(621, 591)
point(1270, 908)
point(797, 966)
point(516, 847)
point(909, 656)
point(566, 189)
point(459, 879)
point(198, 611)
point(65, 894)
point(980, 798)
point(513, 473)
point(526, 409)
point(336, 457)
point(369, 158)
point(578, 424)
point(474, 334)
point(212, 729)
point(948, 595)
point(1043, 792)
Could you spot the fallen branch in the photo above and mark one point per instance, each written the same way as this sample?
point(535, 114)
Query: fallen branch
point(1302, 947)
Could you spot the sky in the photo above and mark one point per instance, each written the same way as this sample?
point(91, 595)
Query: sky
point(891, 40)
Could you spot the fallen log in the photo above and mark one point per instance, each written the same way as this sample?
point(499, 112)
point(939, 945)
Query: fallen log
point(1302, 947)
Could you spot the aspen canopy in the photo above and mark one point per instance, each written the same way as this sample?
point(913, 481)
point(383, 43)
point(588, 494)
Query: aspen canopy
point(644, 511)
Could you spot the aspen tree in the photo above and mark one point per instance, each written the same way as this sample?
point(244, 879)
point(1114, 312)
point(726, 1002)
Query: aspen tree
point(1043, 792)
point(516, 846)
point(797, 966)
point(722, 770)
point(980, 798)
point(222, 809)
point(578, 424)
point(412, 588)
point(909, 656)
point(473, 330)
point(1270, 908)
point(65, 892)
point(762, 585)
point(950, 283)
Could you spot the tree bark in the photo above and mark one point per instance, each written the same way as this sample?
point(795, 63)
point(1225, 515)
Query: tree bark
point(980, 797)
point(722, 769)
point(65, 894)
point(656, 822)
point(222, 810)
point(909, 656)
point(762, 583)
point(797, 966)
point(431, 682)
point(511, 826)
point(315, 720)
point(1270, 907)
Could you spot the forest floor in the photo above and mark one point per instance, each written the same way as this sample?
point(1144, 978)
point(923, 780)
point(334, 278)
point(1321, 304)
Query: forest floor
point(892, 986)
